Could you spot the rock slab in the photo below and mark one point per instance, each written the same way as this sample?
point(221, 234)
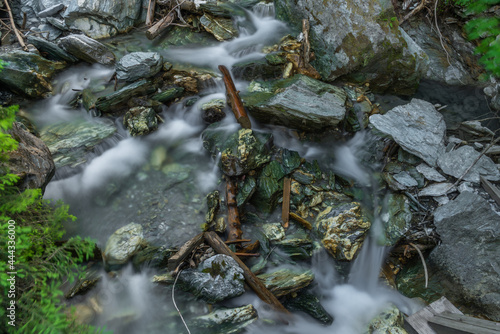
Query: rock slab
point(138, 65)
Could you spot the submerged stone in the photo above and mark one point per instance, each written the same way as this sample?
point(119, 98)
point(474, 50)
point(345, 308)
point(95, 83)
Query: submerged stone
point(216, 279)
point(417, 127)
point(342, 229)
point(299, 103)
point(232, 320)
point(140, 121)
point(123, 244)
point(456, 162)
point(175, 173)
point(286, 281)
point(138, 65)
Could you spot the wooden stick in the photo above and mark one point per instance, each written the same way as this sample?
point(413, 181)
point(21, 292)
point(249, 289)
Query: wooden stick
point(306, 46)
point(237, 241)
point(16, 32)
point(234, 231)
point(491, 189)
point(301, 220)
point(161, 25)
point(285, 208)
point(253, 281)
point(150, 13)
point(233, 99)
point(247, 254)
point(184, 252)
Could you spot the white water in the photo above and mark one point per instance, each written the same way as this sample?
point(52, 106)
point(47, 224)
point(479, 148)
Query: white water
point(352, 302)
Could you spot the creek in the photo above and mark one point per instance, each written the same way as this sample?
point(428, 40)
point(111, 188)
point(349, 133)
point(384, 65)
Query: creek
point(118, 184)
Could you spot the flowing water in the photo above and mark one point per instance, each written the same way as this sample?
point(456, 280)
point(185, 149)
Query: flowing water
point(118, 186)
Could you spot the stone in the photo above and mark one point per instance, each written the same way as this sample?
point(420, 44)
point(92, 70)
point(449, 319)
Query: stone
point(117, 100)
point(31, 161)
point(138, 65)
point(175, 173)
point(50, 11)
point(216, 279)
point(140, 121)
point(51, 50)
point(357, 39)
point(437, 189)
point(28, 74)
point(456, 162)
point(417, 127)
point(222, 28)
point(87, 49)
point(310, 304)
point(231, 320)
point(213, 111)
point(397, 219)
point(241, 152)
point(70, 143)
point(405, 179)
point(256, 69)
point(246, 189)
point(468, 253)
point(123, 244)
point(274, 231)
point(269, 187)
point(298, 246)
point(299, 103)
point(342, 230)
point(169, 94)
point(389, 321)
point(430, 173)
point(284, 282)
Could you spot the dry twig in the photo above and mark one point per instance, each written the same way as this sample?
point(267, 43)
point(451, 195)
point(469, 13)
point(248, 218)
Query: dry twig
point(175, 305)
point(423, 263)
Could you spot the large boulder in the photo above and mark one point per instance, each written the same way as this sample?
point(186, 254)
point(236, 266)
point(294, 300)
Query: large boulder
point(28, 74)
point(417, 127)
point(87, 49)
point(32, 160)
point(468, 254)
point(97, 19)
point(299, 102)
point(359, 39)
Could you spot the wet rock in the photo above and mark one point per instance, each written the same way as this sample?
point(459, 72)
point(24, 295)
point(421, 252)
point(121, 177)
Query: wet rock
point(241, 152)
point(216, 279)
point(138, 65)
point(189, 83)
point(246, 189)
point(175, 173)
point(114, 101)
point(51, 50)
point(309, 303)
point(225, 8)
point(169, 94)
point(342, 229)
point(468, 253)
point(257, 69)
point(269, 187)
point(140, 121)
point(84, 284)
point(221, 28)
point(430, 173)
point(286, 281)
point(397, 219)
point(437, 189)
point(213, 111)
point(152, 257)
point(456, 162)
point(180, 36)
point(273, 232)
point(123, 244)
point(28, 74)
point(31, 161)
point(213, 205)
point(87, 49)
point(417, 127)
point(390, 321)
point(71, 142)
point(226, 320)
point(290, 160)
point(356, 38)
point(299, 102)
point(298, 246)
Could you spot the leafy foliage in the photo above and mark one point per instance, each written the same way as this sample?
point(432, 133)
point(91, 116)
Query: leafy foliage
point(40, 260)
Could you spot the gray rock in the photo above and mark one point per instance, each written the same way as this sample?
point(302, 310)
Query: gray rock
point(117, 100)
point(437, 189)
point(52, 50)
point(468, 254)
point(51, 10)
point(390, 320)
point(286, 281)
point(417, 127)
point(31, 161)
point(405, 179)
point(140, 121)
point(216, 279)
point(456, 162)
point(300, 103)
point(138, 65)
point(359, 37)
point(221, 28)
point(28, 74)
point(87, 49)
point(430, 173)
point(123, 244)
point(226, 320)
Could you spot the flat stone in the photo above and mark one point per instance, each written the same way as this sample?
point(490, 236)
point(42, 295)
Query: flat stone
point(468, 254)
point(437, 189)
point(456, 162)
point(417, 127)
point(405, 179)
point(286, 281)
point(87, 49)
point(430, 173)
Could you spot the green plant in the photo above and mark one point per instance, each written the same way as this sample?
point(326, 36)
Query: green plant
point(34, 260)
